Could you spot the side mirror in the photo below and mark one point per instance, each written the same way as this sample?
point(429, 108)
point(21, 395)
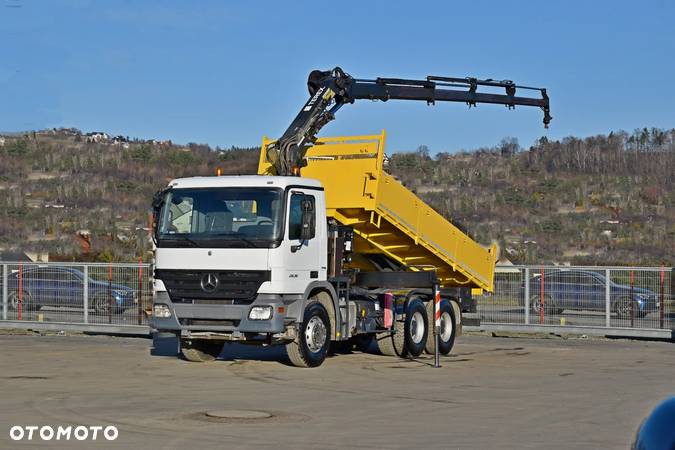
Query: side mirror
point(157, 203)
point(308, 228)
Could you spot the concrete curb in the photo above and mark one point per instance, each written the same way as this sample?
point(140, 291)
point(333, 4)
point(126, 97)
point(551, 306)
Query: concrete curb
point(131, 330)
point(580, 330)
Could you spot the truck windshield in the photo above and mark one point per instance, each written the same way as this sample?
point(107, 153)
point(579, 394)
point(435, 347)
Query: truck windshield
point(213, 217)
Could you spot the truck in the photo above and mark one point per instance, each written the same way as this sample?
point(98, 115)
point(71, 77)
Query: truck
point(321, 249)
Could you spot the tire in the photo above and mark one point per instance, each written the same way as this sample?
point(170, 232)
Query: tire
point(416, 329)
point(389, 344)
point(446, 339)
point(200, 350)
point(550, 305)
point(622, 308)
point(26, 302)
point(410, 337)
point(102, 305)
point(310, 347)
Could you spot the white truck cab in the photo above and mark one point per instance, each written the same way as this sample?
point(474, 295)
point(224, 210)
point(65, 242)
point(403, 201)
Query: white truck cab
point(237, 258)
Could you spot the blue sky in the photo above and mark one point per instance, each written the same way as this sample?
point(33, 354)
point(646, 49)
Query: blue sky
point(227, 72)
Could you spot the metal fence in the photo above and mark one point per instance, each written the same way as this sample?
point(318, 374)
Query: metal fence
point(95, 295)
point(117, 297)
point(600, 299)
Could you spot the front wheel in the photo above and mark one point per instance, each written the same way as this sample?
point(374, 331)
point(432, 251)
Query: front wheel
point(310, 347)
point(550, 305)
point(624, 306)
point(102, 305)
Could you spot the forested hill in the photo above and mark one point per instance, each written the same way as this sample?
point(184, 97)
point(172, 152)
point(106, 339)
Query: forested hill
point(598, 200)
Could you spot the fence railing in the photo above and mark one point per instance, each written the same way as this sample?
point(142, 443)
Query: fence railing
point(598, 297)
point(87, 295)
point(76, 293)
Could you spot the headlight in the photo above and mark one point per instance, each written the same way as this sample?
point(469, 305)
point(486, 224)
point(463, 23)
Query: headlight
point(161, 311)
point(260, 313)
point(119, 295)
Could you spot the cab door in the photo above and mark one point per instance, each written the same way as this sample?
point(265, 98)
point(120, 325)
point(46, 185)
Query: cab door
point(302, 256)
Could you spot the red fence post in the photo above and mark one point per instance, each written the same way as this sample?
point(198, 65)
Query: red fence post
point(541, 297)
point(20, 305)
point(140, 290)
point(661, 289)
point(110, 297)
point(632, 300)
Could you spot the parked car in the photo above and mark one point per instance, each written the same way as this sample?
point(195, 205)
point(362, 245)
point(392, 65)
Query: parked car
point(585, 290)
point(64, 286)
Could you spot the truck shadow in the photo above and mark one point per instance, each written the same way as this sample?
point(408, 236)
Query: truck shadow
point(164, 344)
point(167, 344)
point(234, 351)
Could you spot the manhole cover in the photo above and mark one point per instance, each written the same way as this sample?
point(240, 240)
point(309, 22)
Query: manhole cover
point(240, 414)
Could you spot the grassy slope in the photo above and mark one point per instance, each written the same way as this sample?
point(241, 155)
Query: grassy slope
point(555, 202)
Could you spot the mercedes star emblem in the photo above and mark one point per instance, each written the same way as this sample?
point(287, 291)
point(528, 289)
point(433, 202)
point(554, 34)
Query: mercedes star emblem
point(210, 282)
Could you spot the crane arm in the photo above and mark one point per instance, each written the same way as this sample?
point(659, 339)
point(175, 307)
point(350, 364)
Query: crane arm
point(330, 90)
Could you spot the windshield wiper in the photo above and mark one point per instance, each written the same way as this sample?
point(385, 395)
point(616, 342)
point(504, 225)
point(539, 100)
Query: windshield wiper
point(240, 237)
point(181, 239)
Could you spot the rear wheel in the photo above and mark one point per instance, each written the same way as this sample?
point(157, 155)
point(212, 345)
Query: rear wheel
point(446, 338)
point(27, 303)
point(410, 334)
point(200, 350)
point(310, 347)
point(392, 344)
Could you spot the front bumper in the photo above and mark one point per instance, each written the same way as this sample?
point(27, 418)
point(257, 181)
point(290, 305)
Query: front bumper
point(214, 318)
point(648, 304)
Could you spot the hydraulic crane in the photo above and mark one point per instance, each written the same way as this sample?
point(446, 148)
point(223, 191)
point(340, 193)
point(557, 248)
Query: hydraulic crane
point(344, 253)
point(330, 90)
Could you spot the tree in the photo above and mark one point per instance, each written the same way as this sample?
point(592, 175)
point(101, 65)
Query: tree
point(509, 146)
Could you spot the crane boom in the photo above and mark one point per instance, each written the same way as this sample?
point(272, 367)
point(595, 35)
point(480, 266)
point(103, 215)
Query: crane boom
point(330, 90)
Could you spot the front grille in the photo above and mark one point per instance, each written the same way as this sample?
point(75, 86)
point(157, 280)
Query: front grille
point(202, 301)
point(210, 322)
point(234, 286)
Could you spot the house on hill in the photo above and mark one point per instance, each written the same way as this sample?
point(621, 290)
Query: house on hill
point(97, 136)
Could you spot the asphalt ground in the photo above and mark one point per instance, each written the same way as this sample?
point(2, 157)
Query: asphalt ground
point(490, 393)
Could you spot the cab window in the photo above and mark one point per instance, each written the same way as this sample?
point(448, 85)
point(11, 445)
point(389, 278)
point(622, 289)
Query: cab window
point(295, 214)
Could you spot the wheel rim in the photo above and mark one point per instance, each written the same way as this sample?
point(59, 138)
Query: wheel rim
point(535, 302)
point(13, 301)
point(417, 327)
point(315, 334)
point(624, 308)
point(446, 327)
point(102, 305)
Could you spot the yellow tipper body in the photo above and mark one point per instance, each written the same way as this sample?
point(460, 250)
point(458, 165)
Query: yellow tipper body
point(387, 218)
